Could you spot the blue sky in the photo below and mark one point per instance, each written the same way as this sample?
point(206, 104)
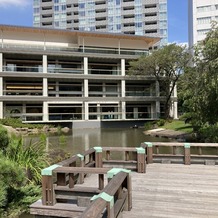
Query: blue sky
point(19, 12)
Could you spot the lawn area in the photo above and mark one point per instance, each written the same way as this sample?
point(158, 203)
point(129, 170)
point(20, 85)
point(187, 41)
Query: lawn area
point(178, 125)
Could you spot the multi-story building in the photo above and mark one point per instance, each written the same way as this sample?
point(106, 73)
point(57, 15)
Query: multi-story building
point(49, 75)
point(139, 17)
point(201, 14)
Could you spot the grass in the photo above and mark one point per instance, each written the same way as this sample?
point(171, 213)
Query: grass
point(178, 125)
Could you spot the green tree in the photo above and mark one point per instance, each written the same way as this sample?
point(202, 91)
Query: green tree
point(165, 65)
point(201, 88)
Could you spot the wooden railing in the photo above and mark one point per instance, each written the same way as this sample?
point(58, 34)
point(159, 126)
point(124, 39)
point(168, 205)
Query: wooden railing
point(115, 197)
point(187, 153)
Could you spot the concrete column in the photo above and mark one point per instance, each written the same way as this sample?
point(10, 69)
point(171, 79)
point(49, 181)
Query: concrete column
point(86, 70)
point(135, 112)
point(98, 112)
point(1, 62)
point(175, 106)
point(123, 88)
point(123, 67)
point(86, 88)
point(57, 89)
point(1, 110)
point(152, 111)
point(175, 91)
point(45, 87)
point(157, 89)
point(1, 86)
point(45, 111)
point(44, 64)
point(86, 104)
point(123, 105)
point(157, 109)
point(104, 89)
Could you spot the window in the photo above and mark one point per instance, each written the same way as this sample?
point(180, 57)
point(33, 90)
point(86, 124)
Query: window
point(203, 31)
point(204, 20)
point(204, 9)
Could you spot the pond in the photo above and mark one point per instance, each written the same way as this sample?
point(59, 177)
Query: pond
point(80, 140)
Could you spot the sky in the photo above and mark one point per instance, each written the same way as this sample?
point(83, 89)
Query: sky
point(19, 12)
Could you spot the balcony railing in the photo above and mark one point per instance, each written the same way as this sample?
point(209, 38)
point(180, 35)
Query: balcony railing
point(77, 49)
point(15, 68)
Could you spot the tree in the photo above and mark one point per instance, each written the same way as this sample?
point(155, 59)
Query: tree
point(166, 65)
point(201, 90)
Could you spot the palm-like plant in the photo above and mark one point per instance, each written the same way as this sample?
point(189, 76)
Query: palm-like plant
point(32, 158)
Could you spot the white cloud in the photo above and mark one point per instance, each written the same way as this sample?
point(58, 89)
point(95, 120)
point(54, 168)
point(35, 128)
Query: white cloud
point(17, 3)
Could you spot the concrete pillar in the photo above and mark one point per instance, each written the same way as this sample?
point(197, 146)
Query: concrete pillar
point(98, 112)
point(57, 88)
point(157, 89)
point(45, 111)
point(86, 104)
point(86, 88)
point(45, 87)
point(152, 111)
point(135, 112)
point(86, 70)
point(123, 67)
point(175, 110)
point(123, 105)
point(1, 86)
point(1, 62)
point(1, 110)
point(104, 89)
point(44, 64)
point(123, 88)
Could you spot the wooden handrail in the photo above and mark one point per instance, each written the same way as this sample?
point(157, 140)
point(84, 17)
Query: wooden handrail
point(153, 151)
point(114, 189)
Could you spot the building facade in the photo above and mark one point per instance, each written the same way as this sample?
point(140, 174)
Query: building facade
point(49, 75)
point(201, 14)
point(139, 17)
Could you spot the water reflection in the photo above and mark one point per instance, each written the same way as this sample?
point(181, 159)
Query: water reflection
point(80, 140)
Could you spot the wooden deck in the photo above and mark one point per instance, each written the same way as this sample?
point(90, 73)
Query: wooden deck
point(175, 191)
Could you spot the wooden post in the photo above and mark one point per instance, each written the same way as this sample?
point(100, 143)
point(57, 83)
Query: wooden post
point(71, 180)
point(82, 164)
point(48, 195)
point(98, 157)
point(149, 147)
point(126, 155)
point(187, 155)
point(47, 191)
point(140, 160)
point(101, 181)
point(108, 154)
point(129, 189)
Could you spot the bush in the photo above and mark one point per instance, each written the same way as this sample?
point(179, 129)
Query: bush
point(161, 122)
point(148, 125)
point(4, 139)
point(208, 134)
point(17, 123)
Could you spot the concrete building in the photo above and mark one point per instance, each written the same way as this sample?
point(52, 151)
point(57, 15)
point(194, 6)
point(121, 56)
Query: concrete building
point(49, 75)
point(201, 13)
point(139, 17)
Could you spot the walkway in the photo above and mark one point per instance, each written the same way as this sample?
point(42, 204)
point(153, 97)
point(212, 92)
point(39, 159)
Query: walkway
point(175, 191)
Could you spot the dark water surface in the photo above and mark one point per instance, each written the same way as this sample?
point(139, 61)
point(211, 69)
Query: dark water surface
point(80, 140)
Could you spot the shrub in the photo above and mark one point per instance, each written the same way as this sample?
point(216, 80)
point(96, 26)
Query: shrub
point(208, 134)
point(161, 122)
point(4, 138)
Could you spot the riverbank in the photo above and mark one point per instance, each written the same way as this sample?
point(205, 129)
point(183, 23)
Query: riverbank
point(169, 134)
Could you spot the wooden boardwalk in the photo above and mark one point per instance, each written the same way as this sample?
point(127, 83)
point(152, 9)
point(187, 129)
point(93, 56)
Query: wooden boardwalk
point(175, 191)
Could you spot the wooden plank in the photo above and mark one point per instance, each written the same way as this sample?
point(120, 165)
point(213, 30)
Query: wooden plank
point(86, 170)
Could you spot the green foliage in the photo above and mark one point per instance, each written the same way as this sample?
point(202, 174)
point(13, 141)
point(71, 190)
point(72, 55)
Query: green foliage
point(4, 139)
point(148, 125)
point(199, 86)
point(161, 122)
point(17, 123)
point(166, 66)
point(32, 158)
point(178, 125)
point(208, 134)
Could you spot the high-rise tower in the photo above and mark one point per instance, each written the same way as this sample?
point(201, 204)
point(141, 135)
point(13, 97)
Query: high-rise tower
point(139, 17)
point(201, 14)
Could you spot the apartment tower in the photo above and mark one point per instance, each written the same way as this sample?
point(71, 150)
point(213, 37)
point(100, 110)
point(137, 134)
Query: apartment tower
point(137, 17)
point(201, 14)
